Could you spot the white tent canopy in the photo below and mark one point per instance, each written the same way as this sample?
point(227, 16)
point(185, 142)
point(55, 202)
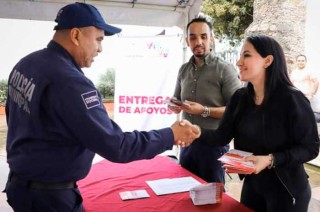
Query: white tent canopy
point(165, 13)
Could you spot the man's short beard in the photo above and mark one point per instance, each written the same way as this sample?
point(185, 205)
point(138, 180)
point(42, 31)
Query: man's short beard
point(200, 55)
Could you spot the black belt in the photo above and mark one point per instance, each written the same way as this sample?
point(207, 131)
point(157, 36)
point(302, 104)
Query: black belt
point(40, 185)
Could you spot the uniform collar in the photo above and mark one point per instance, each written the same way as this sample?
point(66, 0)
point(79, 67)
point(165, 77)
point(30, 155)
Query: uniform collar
point(57, 47)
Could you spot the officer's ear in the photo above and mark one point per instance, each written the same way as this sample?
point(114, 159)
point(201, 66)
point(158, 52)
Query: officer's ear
point(75, 34)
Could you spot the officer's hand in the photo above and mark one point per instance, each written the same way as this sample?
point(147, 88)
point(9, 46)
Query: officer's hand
point(185, 132)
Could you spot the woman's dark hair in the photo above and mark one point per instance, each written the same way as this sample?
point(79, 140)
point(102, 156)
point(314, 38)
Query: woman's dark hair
point(276, 72)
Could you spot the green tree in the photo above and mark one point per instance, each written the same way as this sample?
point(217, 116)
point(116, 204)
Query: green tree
point(106, 84)
point(3, 91)
point(230, 18)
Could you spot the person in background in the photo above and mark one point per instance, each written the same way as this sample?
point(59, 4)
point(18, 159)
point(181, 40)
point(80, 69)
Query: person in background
point(273, 120)
point(304, 80)
point(57, 122)
point(205, 83)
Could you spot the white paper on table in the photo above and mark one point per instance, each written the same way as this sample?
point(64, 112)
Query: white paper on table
point(174, 185)
point(137, 194)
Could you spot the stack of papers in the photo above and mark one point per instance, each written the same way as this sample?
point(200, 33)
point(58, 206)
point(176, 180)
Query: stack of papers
point(210, 193)
point(233, 162)
point(175, 185)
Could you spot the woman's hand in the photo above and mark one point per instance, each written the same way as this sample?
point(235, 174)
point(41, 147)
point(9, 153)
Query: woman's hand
point(260, 162)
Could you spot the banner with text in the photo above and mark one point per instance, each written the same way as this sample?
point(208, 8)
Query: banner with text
point(145, 81)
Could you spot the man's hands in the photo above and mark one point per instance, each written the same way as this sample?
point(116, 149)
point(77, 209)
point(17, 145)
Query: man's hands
point(184, 132)
point(190, 107)
point(195, 108)
point(175, 109)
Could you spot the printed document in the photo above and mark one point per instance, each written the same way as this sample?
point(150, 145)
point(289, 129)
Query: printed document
point(174, 185)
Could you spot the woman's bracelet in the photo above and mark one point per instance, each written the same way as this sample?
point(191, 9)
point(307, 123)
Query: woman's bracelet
point(271, 165)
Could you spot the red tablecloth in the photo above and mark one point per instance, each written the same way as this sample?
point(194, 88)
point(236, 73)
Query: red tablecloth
point(100, 189)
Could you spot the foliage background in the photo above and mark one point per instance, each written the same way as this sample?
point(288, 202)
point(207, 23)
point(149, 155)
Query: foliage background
point(106, 85)
point(230, 18)
point(3, 92)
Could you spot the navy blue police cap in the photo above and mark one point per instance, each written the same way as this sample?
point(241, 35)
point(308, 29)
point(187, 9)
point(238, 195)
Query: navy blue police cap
point(79, 15)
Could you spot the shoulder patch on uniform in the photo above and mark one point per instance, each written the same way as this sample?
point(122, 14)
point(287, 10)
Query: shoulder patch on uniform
point(91, 99)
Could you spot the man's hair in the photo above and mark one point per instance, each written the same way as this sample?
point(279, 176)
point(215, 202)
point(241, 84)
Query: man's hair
point(301, 55)
point(200, 19)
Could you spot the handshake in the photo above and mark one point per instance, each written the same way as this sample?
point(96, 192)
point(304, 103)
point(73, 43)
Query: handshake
point(185, 133)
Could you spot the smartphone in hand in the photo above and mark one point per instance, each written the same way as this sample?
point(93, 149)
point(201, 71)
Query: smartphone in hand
point(177, 102)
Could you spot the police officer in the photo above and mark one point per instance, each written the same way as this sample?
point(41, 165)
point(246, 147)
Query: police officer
point(57, 122)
